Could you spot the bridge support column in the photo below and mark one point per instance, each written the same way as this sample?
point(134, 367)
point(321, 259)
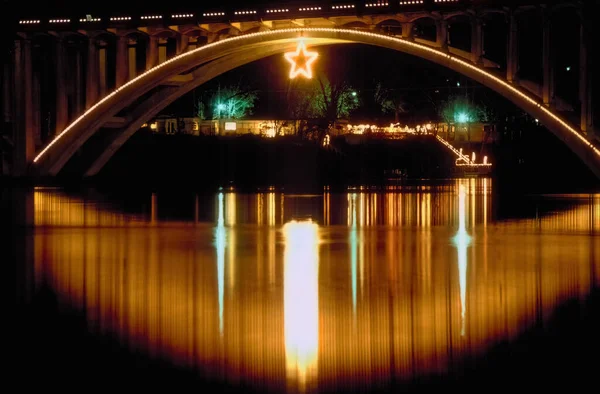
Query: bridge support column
point(6, 93)
point(132, 57)
point(92, 75)
point(121, 62)
point(78, 98)
point(7, 119)
point(162, 50)
point(477, 41)
point(62, 106)
point(212, 37)
point(36, 102)
point(441, 28)
point(585, 83)
point(512, 56)
point(192, 43)
point(408, 30)
point(182, 43)
point(102, 59)
point(152, 52)
point(547, 61)
point(24, 134)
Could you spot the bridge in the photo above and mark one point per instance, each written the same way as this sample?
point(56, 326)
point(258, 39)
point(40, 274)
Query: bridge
point(113, 73)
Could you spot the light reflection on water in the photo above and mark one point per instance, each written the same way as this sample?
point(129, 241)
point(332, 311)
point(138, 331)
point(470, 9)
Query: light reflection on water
point(375, 287)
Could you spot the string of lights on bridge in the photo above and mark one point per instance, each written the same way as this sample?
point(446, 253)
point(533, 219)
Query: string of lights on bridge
point(238, 13)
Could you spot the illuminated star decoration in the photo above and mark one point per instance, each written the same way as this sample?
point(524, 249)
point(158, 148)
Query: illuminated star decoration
point(301, 60)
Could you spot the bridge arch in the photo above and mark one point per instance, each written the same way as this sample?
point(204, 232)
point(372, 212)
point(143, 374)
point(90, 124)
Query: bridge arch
point(190, 69)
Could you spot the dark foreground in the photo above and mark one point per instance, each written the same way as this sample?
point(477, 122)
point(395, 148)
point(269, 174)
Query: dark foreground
point(50, 349)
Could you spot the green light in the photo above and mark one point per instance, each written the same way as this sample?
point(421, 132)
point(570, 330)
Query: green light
point(221, 107)
point(354, 94)
point(568, 68)
point(461, 117)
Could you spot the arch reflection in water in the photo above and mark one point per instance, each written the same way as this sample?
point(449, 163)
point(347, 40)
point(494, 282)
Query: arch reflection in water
point(301, 301)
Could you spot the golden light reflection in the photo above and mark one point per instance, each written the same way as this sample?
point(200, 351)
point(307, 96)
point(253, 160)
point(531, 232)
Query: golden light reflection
point(462, 241)
point(220, 243)
point(271, 208)
point(353, 242)
point(230, 221)
point(301, 301)
point(165, 290)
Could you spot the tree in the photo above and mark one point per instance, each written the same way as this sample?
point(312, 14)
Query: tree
point(334, 100)
point(231, 102)
point(301, 108)
point(390, 101)
point(458, 109)
point(317, 103)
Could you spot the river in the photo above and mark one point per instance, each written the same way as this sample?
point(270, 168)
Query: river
point(341, 291)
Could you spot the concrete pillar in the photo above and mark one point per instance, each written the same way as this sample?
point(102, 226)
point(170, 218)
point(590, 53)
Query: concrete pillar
point(212, 37)
point(192, 43)
point(24, 143)
point(547, 61)
point(408, 30)
point(102, 59)
point(182, 43)
point(7, 93)
point(36, 97)
point(477, 41)
point(585, 81)
point(121, 62)
point(78, 98)
point(62, 71)
point(132, 58)
point(92, 76)
point(512, 56)
point(162, 50)
point(152, 52)
point(442, 34)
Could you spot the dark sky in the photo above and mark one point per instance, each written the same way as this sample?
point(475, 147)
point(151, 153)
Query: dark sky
point(417, 81)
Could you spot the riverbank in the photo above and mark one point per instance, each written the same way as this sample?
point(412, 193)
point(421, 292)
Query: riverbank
point(285, 162)
point(538, 163)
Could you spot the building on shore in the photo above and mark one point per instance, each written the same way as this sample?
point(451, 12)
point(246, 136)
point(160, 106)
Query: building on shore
point(197, 126)
point(456, 133)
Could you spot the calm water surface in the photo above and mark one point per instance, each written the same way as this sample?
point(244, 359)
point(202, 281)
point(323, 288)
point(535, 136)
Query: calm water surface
point(302, 293)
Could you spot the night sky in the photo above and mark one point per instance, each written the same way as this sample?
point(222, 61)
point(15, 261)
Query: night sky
point(418, 81)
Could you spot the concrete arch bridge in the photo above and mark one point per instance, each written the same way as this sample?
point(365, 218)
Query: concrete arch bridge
point(106, 124)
